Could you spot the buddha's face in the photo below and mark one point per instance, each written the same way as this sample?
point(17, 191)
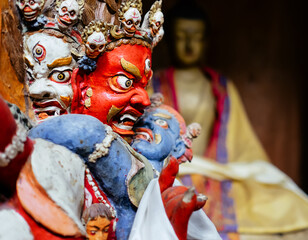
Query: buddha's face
point(98, 228)
point(118, 95)
point(189, 41)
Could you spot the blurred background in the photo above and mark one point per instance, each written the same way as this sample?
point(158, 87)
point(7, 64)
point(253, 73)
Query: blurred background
point(261, 46)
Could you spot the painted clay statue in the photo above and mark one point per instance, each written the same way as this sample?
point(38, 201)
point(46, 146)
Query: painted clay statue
point(95, 38)
point(49, 66)
point(113, 164)
point(77, 160)
point(161, 132)
point(69, 12)
point(130, 16)
point(153, 22)
point(30, 11)
point(35, 195)
point(98, 219)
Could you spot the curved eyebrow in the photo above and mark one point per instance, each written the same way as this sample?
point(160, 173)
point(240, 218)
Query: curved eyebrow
point(60, 62)
point(162, 115)
point(131, 68)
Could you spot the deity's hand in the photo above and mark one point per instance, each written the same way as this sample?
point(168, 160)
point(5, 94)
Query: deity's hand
point(179, 201)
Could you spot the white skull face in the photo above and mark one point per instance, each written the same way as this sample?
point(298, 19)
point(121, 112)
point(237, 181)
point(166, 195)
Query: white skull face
point(157, 22)
point(95, 44)
point(131, 21)
point(29, 8)
point(49, 66)
point(68, 13)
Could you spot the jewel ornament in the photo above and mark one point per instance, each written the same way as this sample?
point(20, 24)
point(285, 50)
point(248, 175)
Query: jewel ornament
point(102, 149)
point(15, 147)
point(97, 193)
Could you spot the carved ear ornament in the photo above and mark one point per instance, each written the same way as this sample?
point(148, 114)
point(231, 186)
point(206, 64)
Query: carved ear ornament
point(15, 147)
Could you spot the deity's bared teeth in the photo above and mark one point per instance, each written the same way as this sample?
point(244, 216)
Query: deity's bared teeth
point(128, 127)
point(128, 117)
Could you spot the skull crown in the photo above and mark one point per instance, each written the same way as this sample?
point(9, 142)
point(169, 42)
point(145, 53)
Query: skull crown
point(30, 9)
point(98, 35)
point(95, 37)
point(69, 12)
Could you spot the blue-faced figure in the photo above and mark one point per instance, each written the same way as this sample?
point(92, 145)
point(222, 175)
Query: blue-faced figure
point(161, 132)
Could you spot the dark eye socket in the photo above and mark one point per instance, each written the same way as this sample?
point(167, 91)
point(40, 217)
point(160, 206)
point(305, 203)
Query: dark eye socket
point(64, 9)
point(158, 24)
point(32, 2)
point(92, 46)
point(129, 22)
point(101, 47)
point(72, 13)
point(137, 23)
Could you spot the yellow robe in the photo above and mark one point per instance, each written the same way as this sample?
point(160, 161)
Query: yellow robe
point(266, 201)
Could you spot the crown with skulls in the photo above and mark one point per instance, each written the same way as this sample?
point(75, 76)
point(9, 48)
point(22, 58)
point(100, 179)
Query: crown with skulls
point(98, 35)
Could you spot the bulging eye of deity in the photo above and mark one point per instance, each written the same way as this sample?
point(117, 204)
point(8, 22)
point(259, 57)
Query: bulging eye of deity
point(121, 83)
point(39, 52)
point(162, 123)
point(61, 76)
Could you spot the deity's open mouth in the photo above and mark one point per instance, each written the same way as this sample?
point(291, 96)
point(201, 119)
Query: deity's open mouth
point(30, 15)
point(64, 22)
point(47, 109)
point(145, 134)
point(123, 122)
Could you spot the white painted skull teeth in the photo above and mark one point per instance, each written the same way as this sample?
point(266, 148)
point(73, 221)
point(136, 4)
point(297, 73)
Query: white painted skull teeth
point(128, 116)
point(124, 127)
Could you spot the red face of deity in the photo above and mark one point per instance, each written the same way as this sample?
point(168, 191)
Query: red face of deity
point(117, 95)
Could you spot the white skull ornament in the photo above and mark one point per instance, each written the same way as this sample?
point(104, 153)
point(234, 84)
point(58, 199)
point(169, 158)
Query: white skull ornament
point(95, 44)
point(131, 20)
point(68, 13)
point(156, 22)
point(30, 9)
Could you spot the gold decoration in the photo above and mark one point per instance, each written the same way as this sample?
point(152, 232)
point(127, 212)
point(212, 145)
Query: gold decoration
point(131, 68)
point(87, 103)
point(95, 26)
point(112, 112)
point(89, 92)
point(60, 62)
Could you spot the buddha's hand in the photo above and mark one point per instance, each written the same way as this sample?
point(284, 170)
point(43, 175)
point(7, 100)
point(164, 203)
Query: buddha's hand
point(179, 201)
